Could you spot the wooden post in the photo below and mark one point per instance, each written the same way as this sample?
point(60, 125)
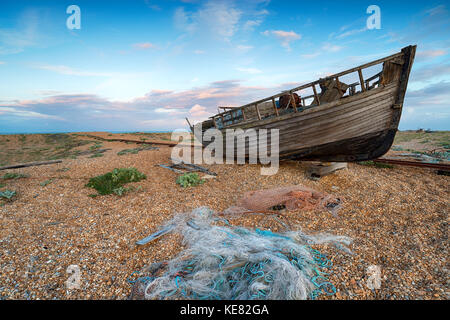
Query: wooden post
point(316, 171)
point(243, 114)
point(293, 102)
point(338, 84)
point(275, 106)
point(189, 123)
point(361, 80)
point(231, 116)
point(316, 96)
point(30, 164)
point(214, 121)
point(257, 111)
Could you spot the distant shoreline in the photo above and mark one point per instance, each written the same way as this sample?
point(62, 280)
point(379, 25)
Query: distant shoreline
point(154, 131)
point(66, 132)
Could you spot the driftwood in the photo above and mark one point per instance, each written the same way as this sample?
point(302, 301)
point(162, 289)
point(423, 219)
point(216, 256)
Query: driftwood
point(30, 164)
point(83, 153)
point(316, 171)
point(170, 168)
point(190, 167)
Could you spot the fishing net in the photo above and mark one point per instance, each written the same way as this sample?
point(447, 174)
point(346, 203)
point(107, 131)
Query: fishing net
point(221, 261)
point(291, 198)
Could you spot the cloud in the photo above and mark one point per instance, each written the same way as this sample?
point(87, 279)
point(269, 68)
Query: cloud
point(26, 113)
point(284, 36)
point(152, 6)
point(199, 112)
point(249, 70)
point(243, 48)
point(351, 33)
point(434, 94)
point(218, 19)
point(430, 54)
point(156, 110)
point(311, 55)
point(436, 11)
point(331, 47)
point(47, 92)
point(65, 70)
point(430, 72)
point(429, 24)
point(24, 35)
point(251, 24)
point(427, 107)
point(166, 109)
point(326, 48)
point(144, 45)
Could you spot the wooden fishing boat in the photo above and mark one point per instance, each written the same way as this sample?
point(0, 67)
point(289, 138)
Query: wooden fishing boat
point(341, 123)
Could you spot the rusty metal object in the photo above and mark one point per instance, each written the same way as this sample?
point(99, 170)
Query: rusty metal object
point(286, 100)
point(440, 166)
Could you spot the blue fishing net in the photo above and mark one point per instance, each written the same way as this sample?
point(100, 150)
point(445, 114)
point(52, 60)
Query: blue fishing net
point(228, 262)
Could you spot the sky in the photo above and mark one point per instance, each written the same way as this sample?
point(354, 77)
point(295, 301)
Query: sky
point(144, 65)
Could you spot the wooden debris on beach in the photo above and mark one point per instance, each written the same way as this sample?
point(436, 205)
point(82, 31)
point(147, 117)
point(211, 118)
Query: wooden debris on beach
point(30, 164)
point(95, 151)
point(179, 165)
point(316, 171)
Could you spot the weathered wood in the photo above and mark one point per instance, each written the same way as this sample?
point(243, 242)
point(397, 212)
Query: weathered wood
point(243, 114)
point(361, 80)
point(86, 152)
point(30, 164)
point(335, 123)
point(377, 93)
point(316, 97)
point(338, 84)
point(332, 90)
point(409, 55)
point(257, 111)
point(294, 101)
point(170, 168)
point(304, 86)
point(323, 169)
point(335, 127)
point(190, 126)
point(275, 107)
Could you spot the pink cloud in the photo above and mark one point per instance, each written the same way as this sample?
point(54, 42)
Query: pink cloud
point(144, 45)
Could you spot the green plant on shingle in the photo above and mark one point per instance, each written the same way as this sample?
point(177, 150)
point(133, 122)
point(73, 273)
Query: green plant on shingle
point(46, 182)
point(7, 194)
point(96, 155)
point(97, 145)
point(128, 151)
point(13, 175)
point(122, 190)
point(190, 179)
point(110, 182)
point(376, 164)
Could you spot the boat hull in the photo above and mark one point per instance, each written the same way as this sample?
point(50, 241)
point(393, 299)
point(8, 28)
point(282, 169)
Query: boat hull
point(354, 128)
